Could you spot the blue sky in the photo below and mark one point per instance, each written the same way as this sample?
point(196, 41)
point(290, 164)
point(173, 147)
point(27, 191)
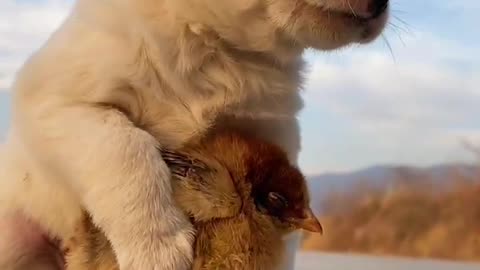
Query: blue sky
point(413, 104)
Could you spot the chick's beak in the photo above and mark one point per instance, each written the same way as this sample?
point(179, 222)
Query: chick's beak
point(310, 222)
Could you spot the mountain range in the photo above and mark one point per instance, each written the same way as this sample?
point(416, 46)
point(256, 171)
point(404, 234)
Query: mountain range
point(384, 176)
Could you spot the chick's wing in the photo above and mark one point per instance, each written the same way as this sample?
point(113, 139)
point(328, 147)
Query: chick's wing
point(202, 186)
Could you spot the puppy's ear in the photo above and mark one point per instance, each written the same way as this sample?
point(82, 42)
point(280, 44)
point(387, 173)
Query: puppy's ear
point(181, 164)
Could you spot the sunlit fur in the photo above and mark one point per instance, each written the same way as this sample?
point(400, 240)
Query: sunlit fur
point(121, 78)
point(217, 183)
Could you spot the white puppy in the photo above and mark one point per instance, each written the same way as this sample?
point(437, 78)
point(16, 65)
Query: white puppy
point(122, 78)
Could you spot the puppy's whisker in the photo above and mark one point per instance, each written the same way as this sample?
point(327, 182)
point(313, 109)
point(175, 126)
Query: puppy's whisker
point(389, 47)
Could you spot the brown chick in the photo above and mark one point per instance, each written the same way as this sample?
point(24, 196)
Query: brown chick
point(242, 196)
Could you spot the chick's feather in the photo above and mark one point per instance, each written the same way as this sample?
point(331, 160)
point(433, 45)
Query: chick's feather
point(221, 183)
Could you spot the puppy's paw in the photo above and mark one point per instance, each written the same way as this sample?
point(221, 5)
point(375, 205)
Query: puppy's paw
point(168, 249)
point(177, 252)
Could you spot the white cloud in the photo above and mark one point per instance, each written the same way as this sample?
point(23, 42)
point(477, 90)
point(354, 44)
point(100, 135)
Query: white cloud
point(24, 26)
point(414, 109)
point(422, 87)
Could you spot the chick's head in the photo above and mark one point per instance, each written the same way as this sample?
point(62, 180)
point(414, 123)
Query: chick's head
point(265, 179)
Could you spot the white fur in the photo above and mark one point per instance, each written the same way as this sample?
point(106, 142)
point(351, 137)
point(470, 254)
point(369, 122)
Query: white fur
point(121, 78)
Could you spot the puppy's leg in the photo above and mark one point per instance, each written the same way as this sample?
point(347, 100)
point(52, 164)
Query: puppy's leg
point(118, 173)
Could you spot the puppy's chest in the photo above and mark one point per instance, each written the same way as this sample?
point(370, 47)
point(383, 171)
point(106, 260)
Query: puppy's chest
point(185, 107)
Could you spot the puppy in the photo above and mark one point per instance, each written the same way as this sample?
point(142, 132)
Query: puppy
point(122, 78)
point(242, 195)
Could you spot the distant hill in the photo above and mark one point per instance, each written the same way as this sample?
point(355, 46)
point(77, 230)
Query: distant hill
point(411, 219)
point(383, 177)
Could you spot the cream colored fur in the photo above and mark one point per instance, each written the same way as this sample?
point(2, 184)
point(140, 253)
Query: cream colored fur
point(120, 79)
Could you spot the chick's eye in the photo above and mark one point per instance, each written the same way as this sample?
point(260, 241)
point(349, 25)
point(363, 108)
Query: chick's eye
point(276, 200)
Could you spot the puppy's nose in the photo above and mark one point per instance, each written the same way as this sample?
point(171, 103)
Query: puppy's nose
point(377, 7)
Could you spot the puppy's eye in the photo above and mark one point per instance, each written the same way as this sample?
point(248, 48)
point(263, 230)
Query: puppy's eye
point(276, 200)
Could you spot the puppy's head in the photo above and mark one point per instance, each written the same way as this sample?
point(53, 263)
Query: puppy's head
point(261, 24)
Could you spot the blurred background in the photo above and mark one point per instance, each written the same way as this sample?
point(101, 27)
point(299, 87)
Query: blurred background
point(391, 131)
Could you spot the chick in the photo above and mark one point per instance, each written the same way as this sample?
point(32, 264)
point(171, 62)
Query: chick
point(242, 196)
